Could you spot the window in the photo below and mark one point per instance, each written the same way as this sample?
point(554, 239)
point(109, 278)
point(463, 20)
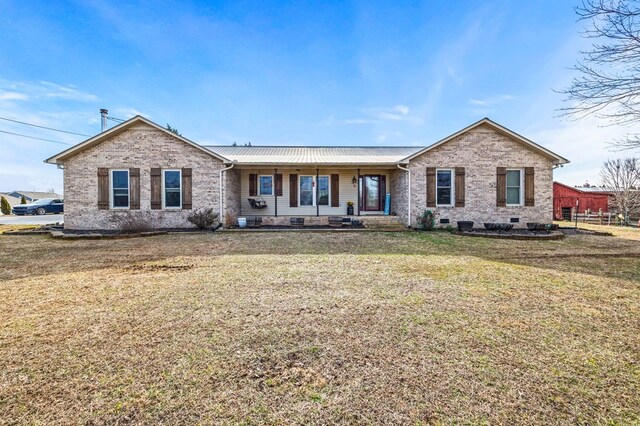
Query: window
point(323, 190)
point(172, 189)
point(444, 190)
point(119, 189)
point(266, 185)
point(514, 187)
point(306, 191)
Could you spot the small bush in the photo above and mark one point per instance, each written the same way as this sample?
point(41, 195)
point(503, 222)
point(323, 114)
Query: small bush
point(427, 220)
point(5, 207)
point(134, 222)
point(203, 218)
point(23, 200)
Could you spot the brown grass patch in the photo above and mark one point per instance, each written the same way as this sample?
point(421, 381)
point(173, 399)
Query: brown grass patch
point(319, 328)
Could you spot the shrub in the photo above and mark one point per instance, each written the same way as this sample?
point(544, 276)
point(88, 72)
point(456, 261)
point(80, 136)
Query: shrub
point(134, 222)
point(203, 218)
point(5, 207)
point(427, 220)
point(23, 200)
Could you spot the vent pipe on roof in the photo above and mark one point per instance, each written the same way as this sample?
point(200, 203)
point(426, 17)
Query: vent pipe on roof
point(103, 119)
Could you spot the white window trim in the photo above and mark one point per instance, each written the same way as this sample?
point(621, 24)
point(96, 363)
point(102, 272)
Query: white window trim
point(506, 187)
point(111, 189)
point(315, 190)
point(164, 194)
point(452, 186)
point(272, 185)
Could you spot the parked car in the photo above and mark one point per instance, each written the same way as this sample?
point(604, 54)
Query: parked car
point(41, 206)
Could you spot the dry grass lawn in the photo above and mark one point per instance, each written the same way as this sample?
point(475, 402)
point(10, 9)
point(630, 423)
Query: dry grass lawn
point(320, 328)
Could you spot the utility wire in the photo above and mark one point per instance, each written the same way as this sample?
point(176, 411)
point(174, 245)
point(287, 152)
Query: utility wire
point(33, 137)
point(43, 127)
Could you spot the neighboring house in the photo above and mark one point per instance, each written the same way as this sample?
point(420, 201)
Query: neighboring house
point(586, 198)
point(483, 173)
point(31, 196)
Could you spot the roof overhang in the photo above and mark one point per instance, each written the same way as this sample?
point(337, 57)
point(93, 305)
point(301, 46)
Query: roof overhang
point(555, 158)
point(101, 137)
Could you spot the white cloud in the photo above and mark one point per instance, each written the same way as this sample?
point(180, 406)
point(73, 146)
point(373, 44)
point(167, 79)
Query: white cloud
point(13, 96)
point(584, 143)
point(29, 90)
point(491, 100)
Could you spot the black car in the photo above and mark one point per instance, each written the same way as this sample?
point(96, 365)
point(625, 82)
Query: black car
point(41, 206)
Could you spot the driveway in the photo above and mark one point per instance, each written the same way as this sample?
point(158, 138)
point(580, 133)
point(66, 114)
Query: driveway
point(31, 220)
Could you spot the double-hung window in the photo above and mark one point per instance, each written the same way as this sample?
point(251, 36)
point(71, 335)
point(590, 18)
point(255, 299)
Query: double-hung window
point(306, 191)
point(323, 190)
point(444, 187)
point(514, 187)
point(308, 195)
point(172, 189)
point(266, 185)
point(119, 189)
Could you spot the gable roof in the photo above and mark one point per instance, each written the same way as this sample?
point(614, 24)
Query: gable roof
point(557, 159)
point(101, 137)
point(336, 155)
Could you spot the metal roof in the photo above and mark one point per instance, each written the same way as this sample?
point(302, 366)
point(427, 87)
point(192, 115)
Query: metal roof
point(337, 155)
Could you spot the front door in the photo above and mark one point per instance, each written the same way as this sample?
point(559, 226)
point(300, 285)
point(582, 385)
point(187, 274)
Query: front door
point(371, 193)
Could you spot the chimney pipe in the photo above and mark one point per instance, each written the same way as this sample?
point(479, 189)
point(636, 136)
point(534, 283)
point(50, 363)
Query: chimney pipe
point(103, 119)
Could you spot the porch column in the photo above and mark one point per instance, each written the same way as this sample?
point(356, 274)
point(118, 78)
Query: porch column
point(317, 192)
point(359, 197)
point(275, 192)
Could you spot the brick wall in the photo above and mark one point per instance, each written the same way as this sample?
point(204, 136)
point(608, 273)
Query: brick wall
point(144, 147)
point(232, 196)
point(481, 151)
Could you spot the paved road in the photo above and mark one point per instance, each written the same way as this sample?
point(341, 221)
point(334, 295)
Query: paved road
point(31, 220)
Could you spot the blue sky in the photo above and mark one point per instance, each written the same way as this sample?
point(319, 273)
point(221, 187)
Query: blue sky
point(276, 73)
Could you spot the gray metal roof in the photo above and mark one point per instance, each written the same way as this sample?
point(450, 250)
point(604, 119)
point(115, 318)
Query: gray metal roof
point(337, 155)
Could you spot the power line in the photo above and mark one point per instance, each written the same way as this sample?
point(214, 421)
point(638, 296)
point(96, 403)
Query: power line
point(33, 137)
point(43, 127)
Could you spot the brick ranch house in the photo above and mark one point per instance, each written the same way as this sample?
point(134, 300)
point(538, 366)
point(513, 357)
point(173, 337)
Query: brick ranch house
point(485, 172)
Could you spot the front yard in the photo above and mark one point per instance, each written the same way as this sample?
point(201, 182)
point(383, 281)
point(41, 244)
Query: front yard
point(281, 328)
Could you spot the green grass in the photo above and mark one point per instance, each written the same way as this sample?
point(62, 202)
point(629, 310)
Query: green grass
point(279, 328)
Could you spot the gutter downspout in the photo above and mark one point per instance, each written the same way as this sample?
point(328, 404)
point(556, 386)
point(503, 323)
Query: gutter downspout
point(222, 188)
point(409, 199)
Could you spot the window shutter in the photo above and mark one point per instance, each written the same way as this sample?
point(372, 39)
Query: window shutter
point(529, 197)
point(134, 189)
point(335, 190)
point(186, 188)
point(501, 187)
point(253, 185)
point(431, 186)
point(293, 190)
point(278, 184)
point(103, 188)
point(156, 189)
point(383, 191)
point(459, 189)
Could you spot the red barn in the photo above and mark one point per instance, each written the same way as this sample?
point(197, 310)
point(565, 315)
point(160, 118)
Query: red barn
point(589, 198)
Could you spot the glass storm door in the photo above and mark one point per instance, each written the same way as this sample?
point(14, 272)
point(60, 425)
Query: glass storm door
point(372, 192)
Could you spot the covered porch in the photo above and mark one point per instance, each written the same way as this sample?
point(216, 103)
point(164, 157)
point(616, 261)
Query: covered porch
point(370, 194)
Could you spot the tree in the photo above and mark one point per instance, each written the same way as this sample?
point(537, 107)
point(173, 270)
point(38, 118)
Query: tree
point(23, 200)
point(173, 130)
point(621, 177)
point(5, 207)
point(609, 82)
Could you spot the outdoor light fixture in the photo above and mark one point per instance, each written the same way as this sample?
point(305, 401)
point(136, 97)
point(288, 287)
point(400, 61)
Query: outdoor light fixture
point(354, 181)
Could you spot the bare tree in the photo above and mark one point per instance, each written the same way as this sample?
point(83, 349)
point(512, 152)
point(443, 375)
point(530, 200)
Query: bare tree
point(609, 82)
point(621, 177)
